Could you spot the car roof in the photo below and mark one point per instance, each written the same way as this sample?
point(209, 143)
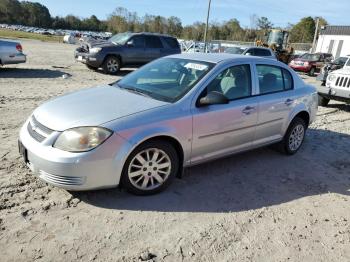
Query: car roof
point(218, 57)
point(154, 34)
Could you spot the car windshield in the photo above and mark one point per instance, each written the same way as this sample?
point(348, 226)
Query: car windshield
point(340, 61)
point(235, 50)
point(120, 39)
point(166, 79)
point(311, 57)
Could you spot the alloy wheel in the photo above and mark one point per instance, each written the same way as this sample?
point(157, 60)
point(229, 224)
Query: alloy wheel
point(149, 169)
point(296, 137)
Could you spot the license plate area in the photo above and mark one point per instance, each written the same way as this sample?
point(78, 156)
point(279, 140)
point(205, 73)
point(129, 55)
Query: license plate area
point(23, 152)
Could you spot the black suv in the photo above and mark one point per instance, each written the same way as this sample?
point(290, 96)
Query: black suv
point(126, 49)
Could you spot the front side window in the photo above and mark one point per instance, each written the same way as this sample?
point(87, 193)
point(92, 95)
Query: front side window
point(234, 82)
point(166, 79)
point(273, 79)
point(138, 41)
point(348, 63)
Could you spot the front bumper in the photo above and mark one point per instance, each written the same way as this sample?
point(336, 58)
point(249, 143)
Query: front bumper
point(96, 169)
point(335, 93)
point(94, 60)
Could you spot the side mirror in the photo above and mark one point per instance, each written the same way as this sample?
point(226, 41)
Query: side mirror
point(248, 53)
point(213, 98)
point(130, 44)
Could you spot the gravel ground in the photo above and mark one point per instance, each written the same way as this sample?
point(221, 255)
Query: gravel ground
point(256, 206)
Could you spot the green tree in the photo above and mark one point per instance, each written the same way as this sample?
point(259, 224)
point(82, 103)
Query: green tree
point(36, 14)
point(303, 32)
point(264, 23)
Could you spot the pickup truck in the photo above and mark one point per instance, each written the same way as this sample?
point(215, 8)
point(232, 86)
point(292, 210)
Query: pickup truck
point(11, 52)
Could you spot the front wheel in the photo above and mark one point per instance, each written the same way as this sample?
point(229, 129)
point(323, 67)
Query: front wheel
point(111, 65)
point(312, 71)
point(150, 168)
point(294, 137)
point(322, 101)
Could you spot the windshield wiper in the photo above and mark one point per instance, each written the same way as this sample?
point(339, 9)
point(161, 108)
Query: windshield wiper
point(137, 91)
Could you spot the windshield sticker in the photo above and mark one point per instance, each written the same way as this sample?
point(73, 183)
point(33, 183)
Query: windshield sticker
point(195, 66)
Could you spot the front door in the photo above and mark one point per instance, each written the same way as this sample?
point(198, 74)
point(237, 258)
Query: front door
point(225, 128)
point(134, 52)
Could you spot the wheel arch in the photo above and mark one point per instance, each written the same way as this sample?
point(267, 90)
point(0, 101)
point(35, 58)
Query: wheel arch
point(166, 138)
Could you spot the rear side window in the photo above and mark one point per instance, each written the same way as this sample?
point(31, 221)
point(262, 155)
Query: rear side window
point(171, 42)
point(153, 42)
point(273, 79)
point(262, 52)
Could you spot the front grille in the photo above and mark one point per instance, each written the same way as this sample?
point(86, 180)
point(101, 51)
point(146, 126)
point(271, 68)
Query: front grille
point(37, 130)
point(62, 180)
point(343, 81)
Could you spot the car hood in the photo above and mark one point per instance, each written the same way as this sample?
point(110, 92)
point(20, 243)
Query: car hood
point(92, 107)
point(343, 71)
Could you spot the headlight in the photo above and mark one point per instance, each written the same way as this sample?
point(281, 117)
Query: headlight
point(306, 63)
point(95, 50)
point(81, 139)
point(331, 78)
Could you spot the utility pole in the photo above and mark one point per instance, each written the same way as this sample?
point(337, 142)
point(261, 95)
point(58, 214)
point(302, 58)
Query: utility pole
point(206, 28)
point(315, 36)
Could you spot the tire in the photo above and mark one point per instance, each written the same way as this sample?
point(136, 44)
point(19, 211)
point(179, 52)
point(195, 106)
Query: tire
point(111, 65)
point(91, 67)
point(150, 168)
point(312, 71)
point(296, 130)
point(322, 101)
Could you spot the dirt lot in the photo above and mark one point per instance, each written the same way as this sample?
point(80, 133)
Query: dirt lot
point(256, 206)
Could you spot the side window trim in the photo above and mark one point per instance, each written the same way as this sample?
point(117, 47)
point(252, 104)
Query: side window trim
point(273, 92)
point(207, 82)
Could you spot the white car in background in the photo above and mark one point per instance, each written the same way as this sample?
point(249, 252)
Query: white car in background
point(337, 86)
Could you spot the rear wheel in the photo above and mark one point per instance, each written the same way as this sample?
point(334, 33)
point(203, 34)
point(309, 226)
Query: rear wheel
point(294, 137)
point(150, 168)
point(111, 65)
point(322, 101)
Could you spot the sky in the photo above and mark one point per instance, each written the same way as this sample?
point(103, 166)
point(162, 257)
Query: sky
point(279, 12)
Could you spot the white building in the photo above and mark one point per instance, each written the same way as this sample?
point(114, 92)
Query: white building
point(334, 40)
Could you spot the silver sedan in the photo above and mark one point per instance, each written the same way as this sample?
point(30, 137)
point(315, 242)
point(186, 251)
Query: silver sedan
point(11, 52)
point(177, 111)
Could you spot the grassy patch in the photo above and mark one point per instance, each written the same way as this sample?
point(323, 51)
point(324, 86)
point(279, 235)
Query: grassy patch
point(4, 33)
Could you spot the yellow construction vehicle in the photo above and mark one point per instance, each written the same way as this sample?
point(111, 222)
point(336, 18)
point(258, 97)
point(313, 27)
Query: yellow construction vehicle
point(278, 41)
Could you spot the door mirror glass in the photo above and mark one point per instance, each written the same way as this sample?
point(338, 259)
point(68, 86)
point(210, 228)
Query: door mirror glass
point(130, 44)
point(213, 98)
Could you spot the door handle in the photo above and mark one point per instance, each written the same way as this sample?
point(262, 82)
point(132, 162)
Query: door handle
point(248, 109)
point(289, 101)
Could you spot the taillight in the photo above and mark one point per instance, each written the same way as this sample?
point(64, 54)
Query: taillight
point(19, 48)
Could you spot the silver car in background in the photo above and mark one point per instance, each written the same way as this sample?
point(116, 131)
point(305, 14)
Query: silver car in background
point(11, 52)
point(174, 112)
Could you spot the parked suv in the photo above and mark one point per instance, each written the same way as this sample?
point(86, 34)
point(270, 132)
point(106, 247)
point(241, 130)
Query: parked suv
point(126, 49)
point(337, 86)
point(310, 63)
point(332, 66)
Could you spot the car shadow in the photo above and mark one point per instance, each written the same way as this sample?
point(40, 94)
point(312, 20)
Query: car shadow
point(342, 106)
point(251, 180)
point(29, 73)
point(121, 72)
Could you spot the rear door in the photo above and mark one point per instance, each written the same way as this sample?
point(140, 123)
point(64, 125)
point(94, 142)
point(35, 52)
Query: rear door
point(275, 102)
point(153, 47)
